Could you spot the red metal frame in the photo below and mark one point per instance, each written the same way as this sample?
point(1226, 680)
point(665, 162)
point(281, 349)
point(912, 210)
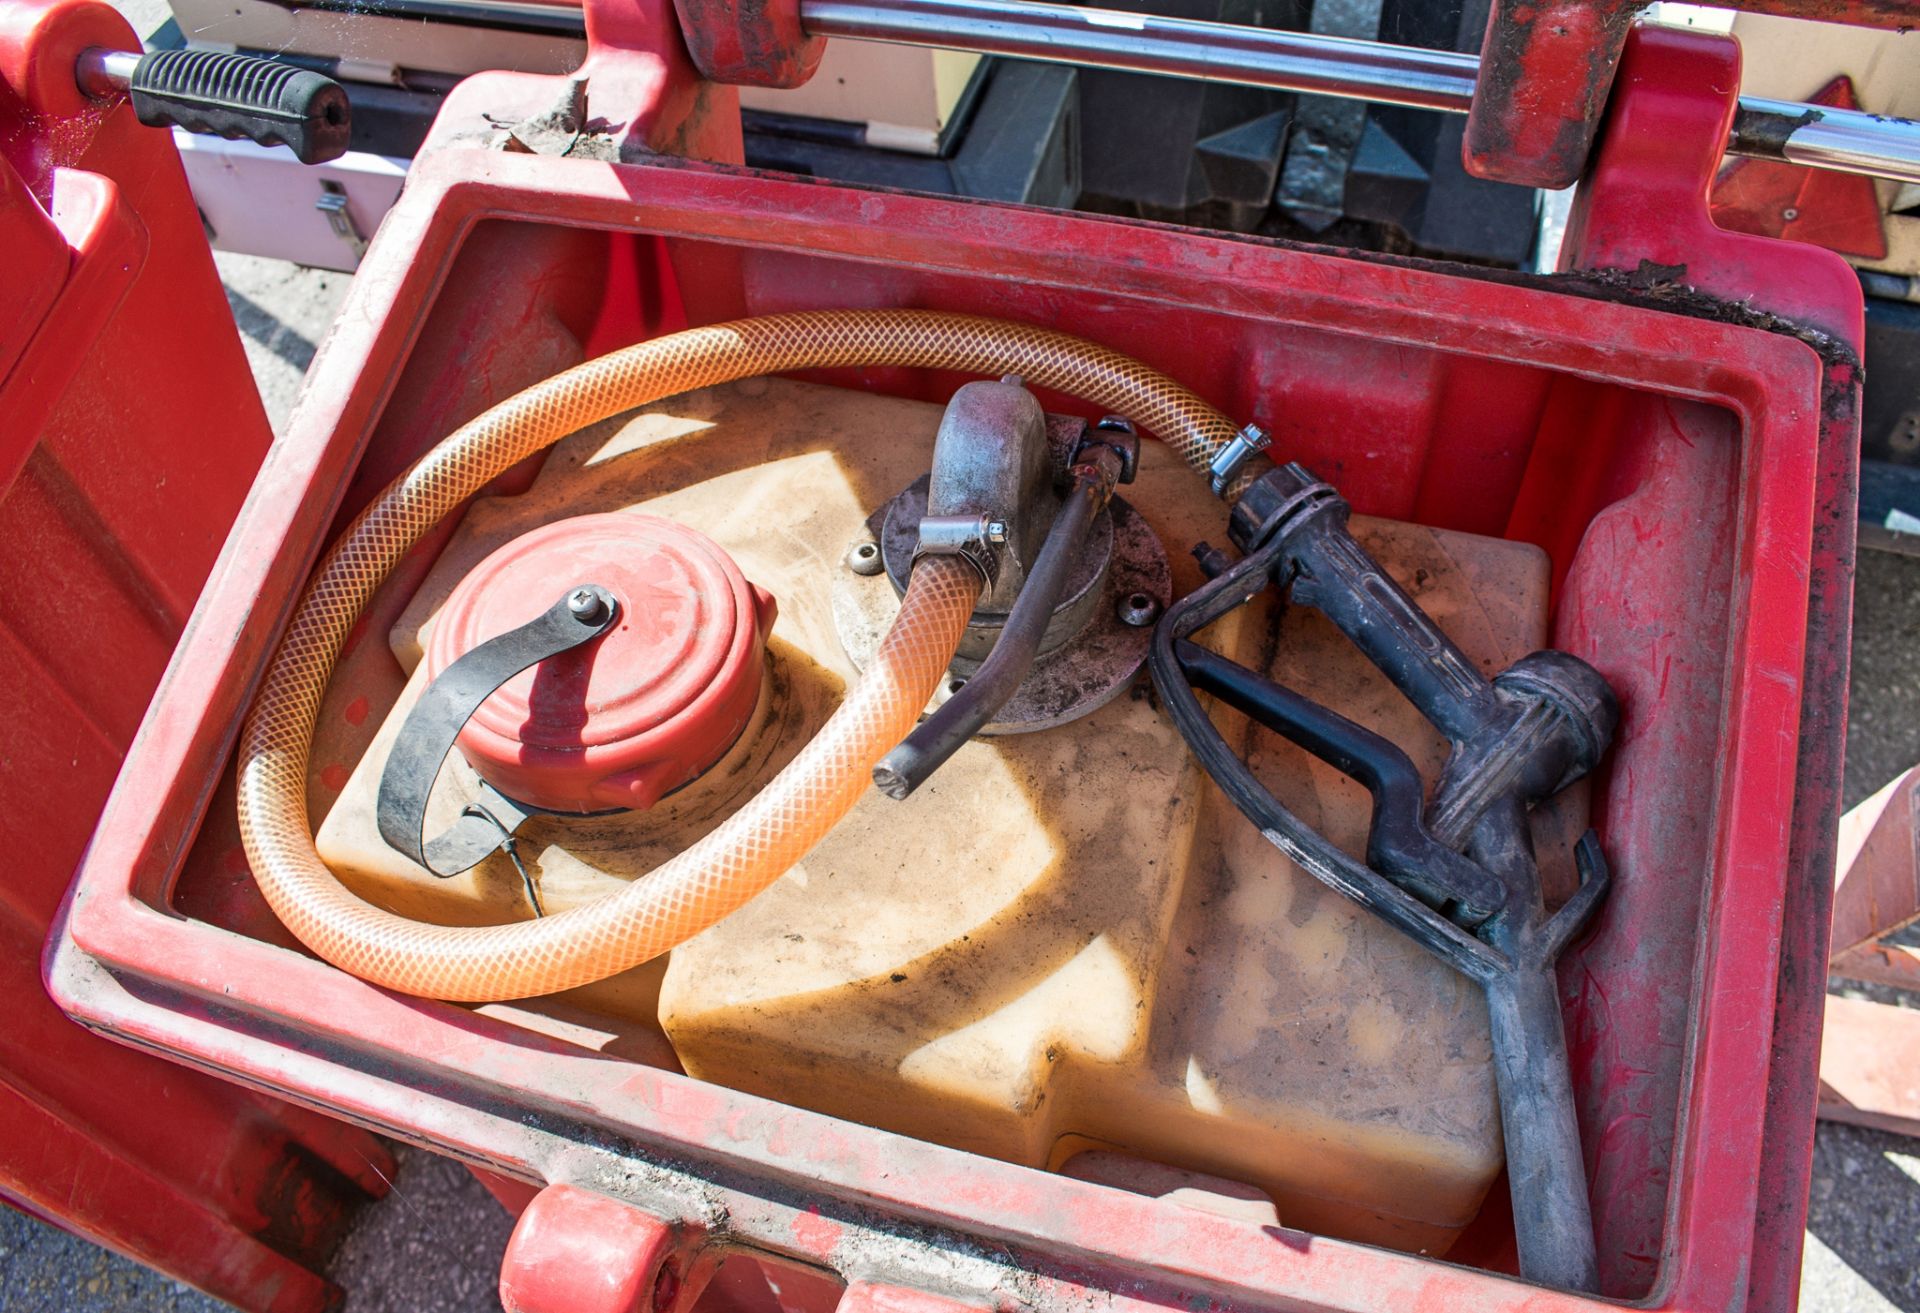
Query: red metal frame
point(1671, 462)
point(1547, 66)
point(753, 43)
point(1546, 70)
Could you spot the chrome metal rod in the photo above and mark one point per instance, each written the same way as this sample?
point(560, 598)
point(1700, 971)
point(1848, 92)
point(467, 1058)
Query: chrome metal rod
point(1145, 43)
point(102, 73)
point(1848, 141)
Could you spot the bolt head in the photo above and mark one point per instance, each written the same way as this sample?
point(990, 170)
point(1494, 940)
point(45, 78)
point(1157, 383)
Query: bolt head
point(587, 605)
point(865, 558)
point(1138, 610)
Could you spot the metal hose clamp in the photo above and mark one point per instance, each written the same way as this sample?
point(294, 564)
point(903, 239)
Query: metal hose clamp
point(976, 537)
point(1248, 442)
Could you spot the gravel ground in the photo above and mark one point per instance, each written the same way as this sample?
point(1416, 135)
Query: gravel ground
point(45, 1270)
point(1883, 717)
point(283, 311)
point(1863, 1227)
point(431, 1246)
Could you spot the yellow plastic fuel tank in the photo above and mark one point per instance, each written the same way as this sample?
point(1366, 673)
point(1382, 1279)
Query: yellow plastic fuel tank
point(1067, 949)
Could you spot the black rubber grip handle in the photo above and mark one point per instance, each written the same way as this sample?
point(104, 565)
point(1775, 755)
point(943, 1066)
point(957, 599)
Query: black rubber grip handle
point(235, 96)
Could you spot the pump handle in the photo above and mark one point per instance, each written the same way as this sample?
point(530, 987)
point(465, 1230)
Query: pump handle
point(223, 94)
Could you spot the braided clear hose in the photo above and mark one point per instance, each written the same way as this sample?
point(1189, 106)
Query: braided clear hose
point(777, 827)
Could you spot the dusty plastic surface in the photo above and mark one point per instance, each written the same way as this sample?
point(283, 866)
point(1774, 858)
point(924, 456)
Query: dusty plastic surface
point(1064, 942)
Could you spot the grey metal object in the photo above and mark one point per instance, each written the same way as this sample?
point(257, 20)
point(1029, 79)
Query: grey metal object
point(967, 711)
point(864, 558)
point(1162, 147)
point(976, 537)
point(1147, 43)
point(991, 467)
point(1241, 164)
point(1138, 610)
point(1095, 661)
point(589, 606)
point(333, 204)
point(1247, 443)
point(432, 728)
point(902, 523)
point(1848, 141)
point(1021, 144)
point(1326, 129)
point(102, 73)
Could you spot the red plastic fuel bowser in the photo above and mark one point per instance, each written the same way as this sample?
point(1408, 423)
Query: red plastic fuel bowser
point(131, 432)
point(661, 513)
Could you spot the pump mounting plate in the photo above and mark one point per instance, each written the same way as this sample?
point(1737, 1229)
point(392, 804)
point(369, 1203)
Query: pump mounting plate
point(1073, 679)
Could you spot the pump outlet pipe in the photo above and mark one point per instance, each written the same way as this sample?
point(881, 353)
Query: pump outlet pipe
point(774, 829)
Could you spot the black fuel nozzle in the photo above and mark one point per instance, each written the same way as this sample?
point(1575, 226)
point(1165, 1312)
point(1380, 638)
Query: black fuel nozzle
point(1459, 877)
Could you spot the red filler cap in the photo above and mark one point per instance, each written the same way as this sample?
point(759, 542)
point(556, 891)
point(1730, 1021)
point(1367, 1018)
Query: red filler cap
point(627, 718)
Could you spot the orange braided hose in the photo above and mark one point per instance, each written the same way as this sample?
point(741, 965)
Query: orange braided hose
point(777, 827)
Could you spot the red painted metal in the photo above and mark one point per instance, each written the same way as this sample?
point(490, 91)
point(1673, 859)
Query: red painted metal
point(125, 394)
point(1645, 214)
point(750, 43)
point(1547, 65)
point(575, 1251)
point(1679, 458)
point(1840, 211)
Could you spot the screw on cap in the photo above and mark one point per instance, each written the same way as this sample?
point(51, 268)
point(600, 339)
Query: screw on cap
point(666, 689)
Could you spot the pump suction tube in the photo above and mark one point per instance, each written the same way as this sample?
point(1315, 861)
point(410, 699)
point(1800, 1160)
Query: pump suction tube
point(778, 826)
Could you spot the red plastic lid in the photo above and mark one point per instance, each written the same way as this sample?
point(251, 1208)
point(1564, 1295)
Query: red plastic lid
point(636, 713)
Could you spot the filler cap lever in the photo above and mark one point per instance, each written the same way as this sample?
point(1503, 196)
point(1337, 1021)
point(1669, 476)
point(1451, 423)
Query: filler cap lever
point(432, 727)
